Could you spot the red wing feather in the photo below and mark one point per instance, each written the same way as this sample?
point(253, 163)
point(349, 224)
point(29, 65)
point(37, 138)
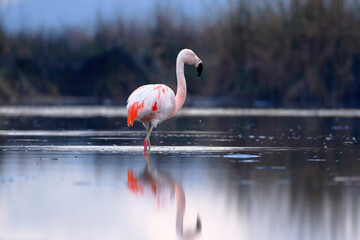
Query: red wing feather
point(133, 112)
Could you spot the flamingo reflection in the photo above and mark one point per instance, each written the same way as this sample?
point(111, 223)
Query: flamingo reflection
point(162, 186)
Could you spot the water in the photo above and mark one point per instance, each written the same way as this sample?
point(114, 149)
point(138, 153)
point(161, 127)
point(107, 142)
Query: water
point(244, 177)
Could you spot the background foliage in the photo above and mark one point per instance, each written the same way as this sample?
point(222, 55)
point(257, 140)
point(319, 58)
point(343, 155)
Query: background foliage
point(304, 53)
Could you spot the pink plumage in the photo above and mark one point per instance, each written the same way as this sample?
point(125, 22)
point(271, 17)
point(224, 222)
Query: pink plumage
point(151, 103)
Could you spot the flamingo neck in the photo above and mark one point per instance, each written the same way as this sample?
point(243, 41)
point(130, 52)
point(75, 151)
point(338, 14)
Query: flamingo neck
point(180, 211)
point(181, 84)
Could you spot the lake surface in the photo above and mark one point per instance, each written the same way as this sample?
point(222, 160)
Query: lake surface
point(243, 177)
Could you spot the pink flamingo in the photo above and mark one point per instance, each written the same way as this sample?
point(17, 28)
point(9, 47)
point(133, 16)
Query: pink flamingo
point(154, 103)
point(161, 185)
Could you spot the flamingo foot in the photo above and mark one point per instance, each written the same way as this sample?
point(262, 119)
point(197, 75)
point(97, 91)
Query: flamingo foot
point(147, 143)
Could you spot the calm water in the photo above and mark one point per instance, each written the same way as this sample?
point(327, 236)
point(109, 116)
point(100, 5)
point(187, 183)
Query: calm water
point(243, 177)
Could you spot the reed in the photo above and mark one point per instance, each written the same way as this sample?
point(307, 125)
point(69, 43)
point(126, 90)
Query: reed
point(304, 52)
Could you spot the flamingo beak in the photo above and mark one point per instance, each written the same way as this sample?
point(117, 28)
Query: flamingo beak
point(199, 69)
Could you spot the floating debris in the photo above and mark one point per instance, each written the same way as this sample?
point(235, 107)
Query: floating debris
point(347, 179)
point(340, 127)
point(249, 161)
point(316, 160)
point(241, 156)
point(271, 168)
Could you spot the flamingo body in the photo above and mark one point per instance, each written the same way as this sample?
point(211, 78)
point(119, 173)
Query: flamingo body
point(154, 103)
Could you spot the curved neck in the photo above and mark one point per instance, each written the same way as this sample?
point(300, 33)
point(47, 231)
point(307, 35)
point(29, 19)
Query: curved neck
point(181, 85)
point(180, 211)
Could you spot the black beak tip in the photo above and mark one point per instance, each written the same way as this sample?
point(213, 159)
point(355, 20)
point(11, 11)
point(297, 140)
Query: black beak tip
point(199, 69)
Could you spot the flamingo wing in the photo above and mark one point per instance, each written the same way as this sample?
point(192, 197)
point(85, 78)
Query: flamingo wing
point(150, 103)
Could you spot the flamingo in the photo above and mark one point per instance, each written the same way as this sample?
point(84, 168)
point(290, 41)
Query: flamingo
point(161, 186)
point(154, 103)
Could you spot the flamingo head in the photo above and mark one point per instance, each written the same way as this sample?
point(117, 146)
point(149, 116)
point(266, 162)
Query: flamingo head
point(191, 58)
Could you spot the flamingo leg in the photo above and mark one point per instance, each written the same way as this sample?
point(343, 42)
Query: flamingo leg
point(147, 138)
point(147, 157)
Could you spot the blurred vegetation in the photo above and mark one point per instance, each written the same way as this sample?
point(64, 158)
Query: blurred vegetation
point(306, 52)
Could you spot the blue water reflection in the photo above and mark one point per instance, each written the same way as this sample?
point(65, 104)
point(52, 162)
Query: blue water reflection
point(246, 178)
